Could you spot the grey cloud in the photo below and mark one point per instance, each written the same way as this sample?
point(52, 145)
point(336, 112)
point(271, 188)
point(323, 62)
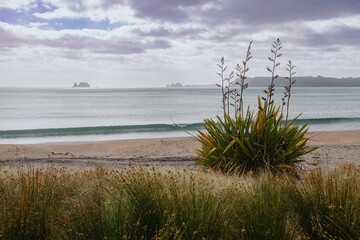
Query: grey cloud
point(249, 16)
point(248, 12)
point(106, 4)
point(78, 5)
point(111, 46)
point(264, 12)
point(329, 40)
point(9, 40)
point(251, 13)
point(232, 20)
point(158, 44)
point(114, 45)
point(165, 10)
point(167, 32)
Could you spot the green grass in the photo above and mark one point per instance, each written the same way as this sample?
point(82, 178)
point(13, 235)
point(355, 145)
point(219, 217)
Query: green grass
point(169, 204)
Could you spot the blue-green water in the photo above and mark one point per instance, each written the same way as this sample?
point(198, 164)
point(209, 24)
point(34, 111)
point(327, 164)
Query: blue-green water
point(47, 115)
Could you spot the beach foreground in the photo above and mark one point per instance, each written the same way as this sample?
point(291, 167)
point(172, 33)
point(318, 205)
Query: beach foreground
point(334, 148)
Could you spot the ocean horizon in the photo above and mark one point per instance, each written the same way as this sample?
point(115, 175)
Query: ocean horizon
point(38, 115)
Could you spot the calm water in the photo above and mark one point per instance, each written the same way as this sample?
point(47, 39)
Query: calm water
point(46, 115)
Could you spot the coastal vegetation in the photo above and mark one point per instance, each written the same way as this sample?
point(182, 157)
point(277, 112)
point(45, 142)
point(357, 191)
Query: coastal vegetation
point(243, 141)
point(178, 204)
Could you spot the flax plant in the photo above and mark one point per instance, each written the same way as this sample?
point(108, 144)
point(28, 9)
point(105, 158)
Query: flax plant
point(225, 86)
point(275, 50)
point(253, 141)
point(241, 72)
point(287, 89)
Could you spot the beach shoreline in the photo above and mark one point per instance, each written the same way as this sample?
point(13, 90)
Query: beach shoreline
point(335, 148)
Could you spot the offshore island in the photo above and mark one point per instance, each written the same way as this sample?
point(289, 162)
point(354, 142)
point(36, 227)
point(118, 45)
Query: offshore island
point(81, 85)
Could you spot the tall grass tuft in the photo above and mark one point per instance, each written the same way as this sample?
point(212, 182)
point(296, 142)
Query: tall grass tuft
point(329, 203)
point(30, 203)
point(172, 205)
point(95, 213)
point(262, 209)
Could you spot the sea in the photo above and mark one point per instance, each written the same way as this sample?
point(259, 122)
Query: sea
point(65, 115)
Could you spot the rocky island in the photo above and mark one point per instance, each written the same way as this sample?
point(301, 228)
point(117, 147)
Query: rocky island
point(174, 85)
point(81, 85)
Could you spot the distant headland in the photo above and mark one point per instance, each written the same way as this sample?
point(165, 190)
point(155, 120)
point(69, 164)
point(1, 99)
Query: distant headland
point(308, 81)
point(301, 81)
point(81, 85)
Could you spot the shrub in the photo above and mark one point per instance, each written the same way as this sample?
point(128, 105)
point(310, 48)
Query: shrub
point(253, 141)
point(244, 144)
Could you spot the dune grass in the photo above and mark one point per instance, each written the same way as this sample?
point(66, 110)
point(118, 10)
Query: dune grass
point(169, 204)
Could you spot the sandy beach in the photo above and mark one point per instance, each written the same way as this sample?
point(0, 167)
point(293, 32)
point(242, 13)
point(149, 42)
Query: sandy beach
point(334, 148)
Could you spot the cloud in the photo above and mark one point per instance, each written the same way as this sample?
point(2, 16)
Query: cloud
point(339, 36)
point(249, 12)
point(165, 10)
point(79, 41)
point(18, 4)
point(111, 11)
point(8, 40)
point(184, 36)
point(277, 11)
point(170, 32)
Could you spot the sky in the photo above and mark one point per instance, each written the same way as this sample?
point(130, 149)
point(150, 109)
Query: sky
point(150, 43)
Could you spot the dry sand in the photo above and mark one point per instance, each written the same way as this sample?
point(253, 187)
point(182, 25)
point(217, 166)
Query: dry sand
point(335, 148)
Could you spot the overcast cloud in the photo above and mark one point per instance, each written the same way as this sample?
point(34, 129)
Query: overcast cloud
point(149, 43)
